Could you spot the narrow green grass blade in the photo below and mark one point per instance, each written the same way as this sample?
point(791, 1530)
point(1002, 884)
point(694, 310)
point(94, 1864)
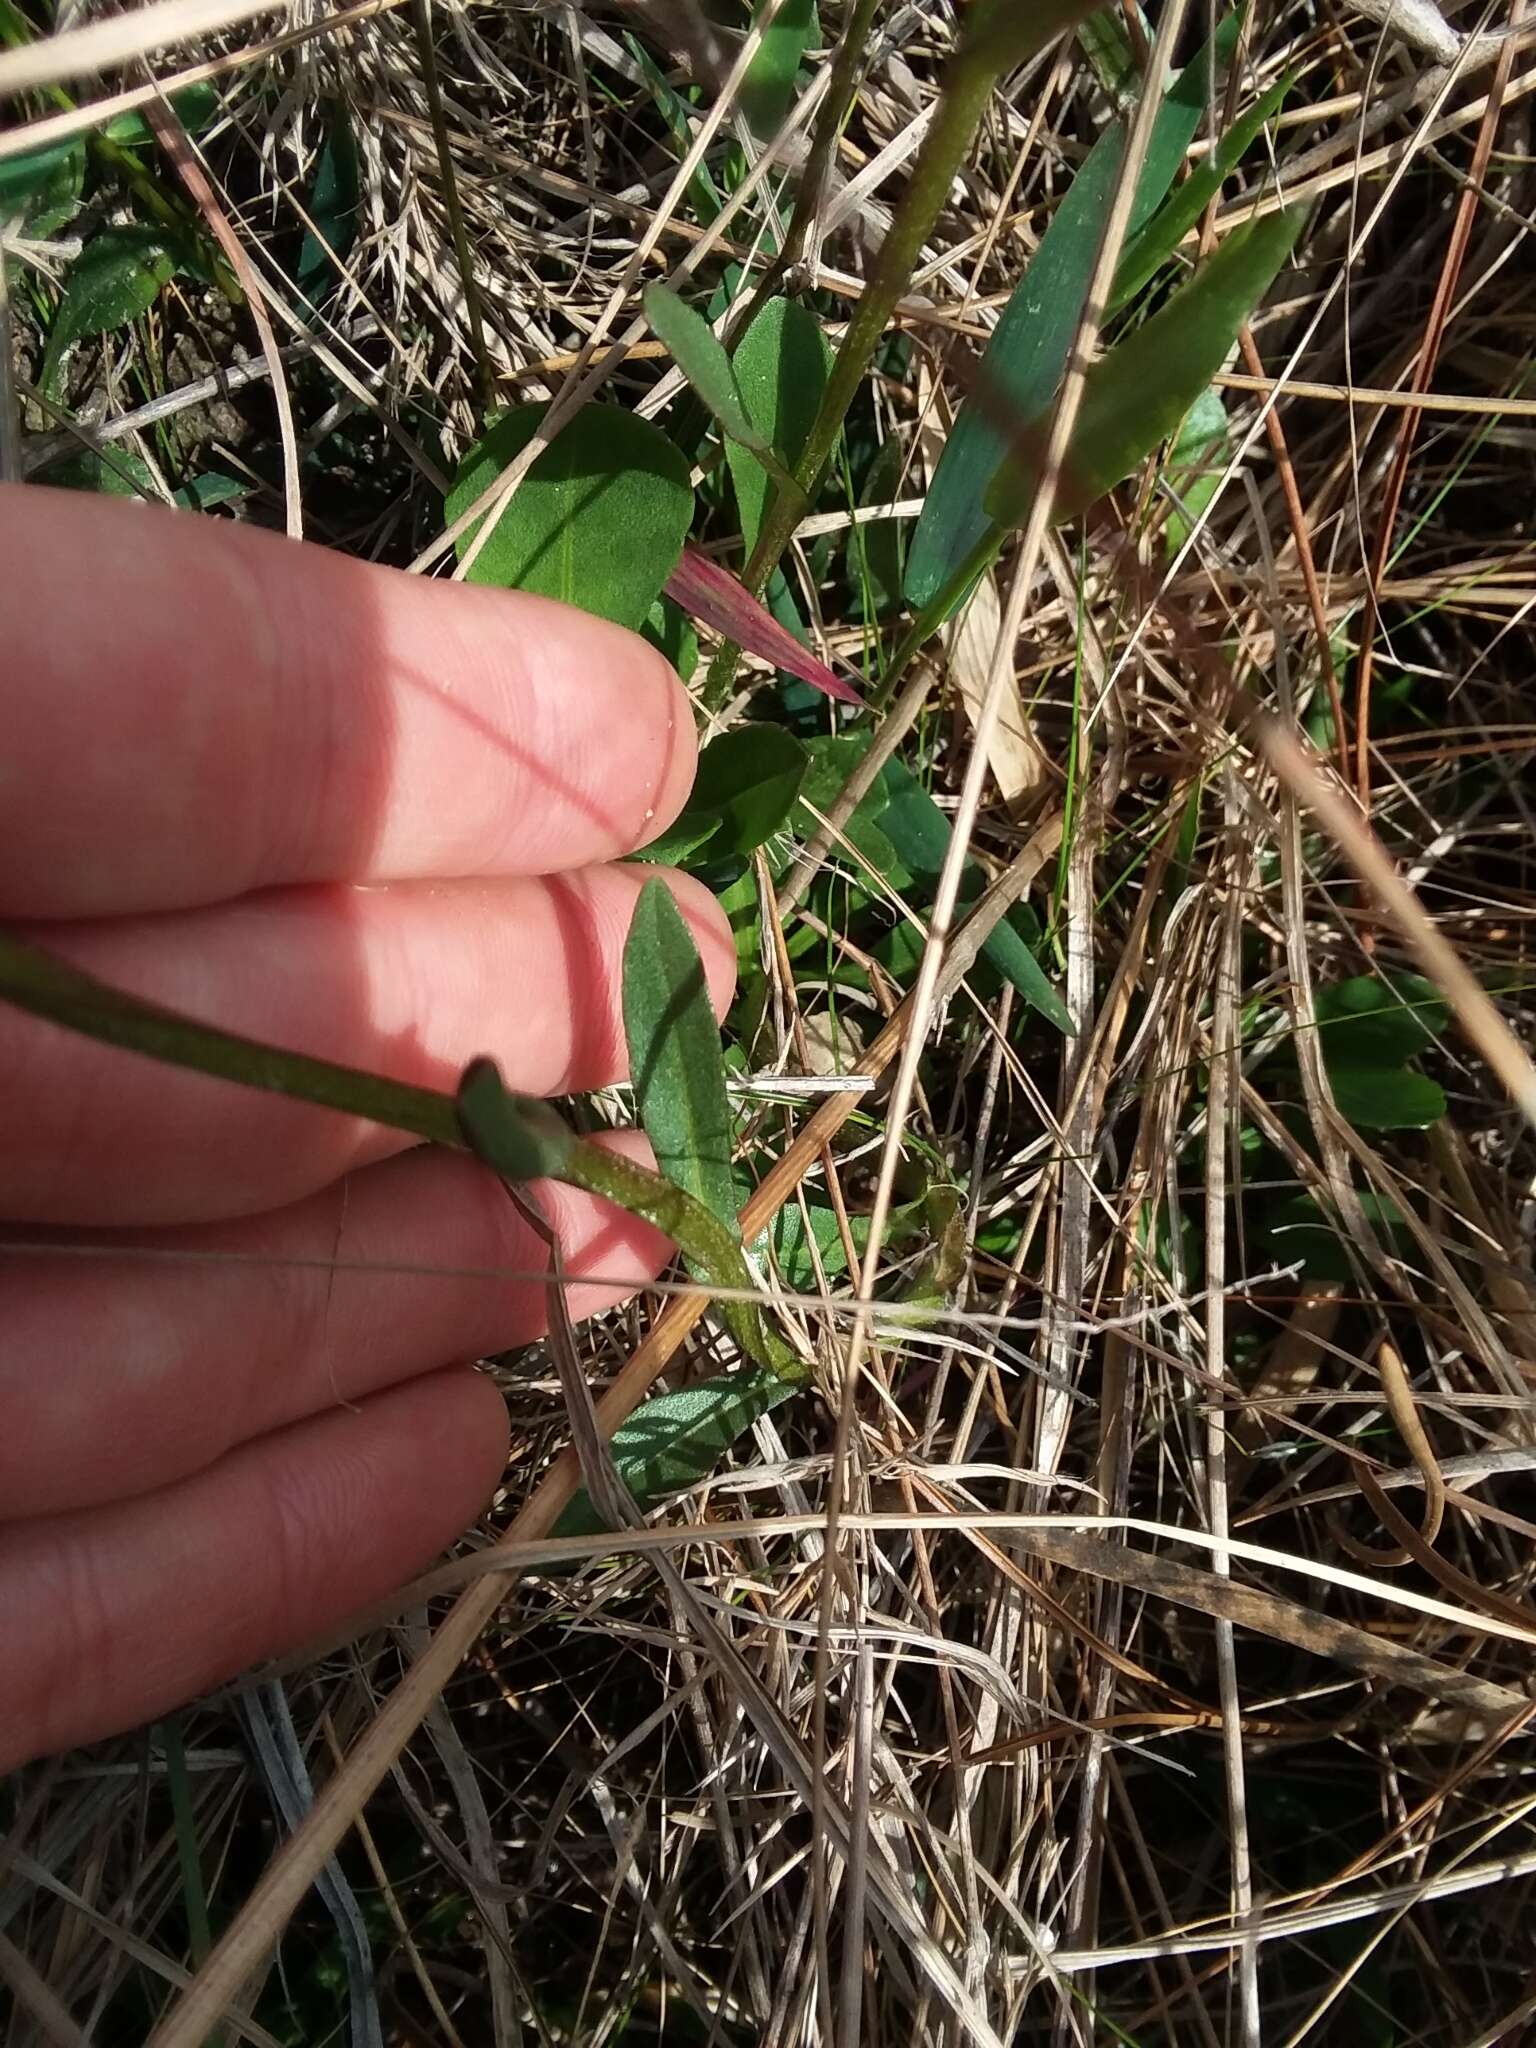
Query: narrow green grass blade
point(1149, 249)
point(675, 111)
point(699, 354)
point(1105, 41)
point(1027, 355)
point(675, 1061)
point(188, 1849)
point(1137, 395)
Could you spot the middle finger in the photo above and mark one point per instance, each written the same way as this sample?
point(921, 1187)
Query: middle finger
point(409, 979)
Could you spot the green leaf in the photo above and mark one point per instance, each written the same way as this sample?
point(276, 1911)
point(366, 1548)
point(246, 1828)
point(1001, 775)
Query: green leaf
point(212, 487)
point(903, 833)
point(781, 365)
point(1368, 1027)
point(40, 190)
point(1379, 1020)
point(769, 85)
point(1151, 247)
point(834, 756)
point(929, 1210)
point(699, 354)
point(1138, 394)
point(875, 545)
point(670, 631)
point(598, 521)
point(1298, 1228)
point(196, 107)
point(117, 276)
point(1195, 463)
point(683, 838)
point(1386, 1098)
point(118, 472)
point(1105, 41)
point(1027, 355)
point(114, 472)
point(332, 207)
point(745, 788)
point(677, 114)
point(674, 1440)
point(675, 1063)
point(920, 832)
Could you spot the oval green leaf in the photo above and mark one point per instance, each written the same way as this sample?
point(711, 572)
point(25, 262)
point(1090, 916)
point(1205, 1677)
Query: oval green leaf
point(674, 1440)
point(195, 107)
point(699, 354)
point(1379, 1020)
point(117, 275)
point(598, 521)
point(1386, 1098)
point(744, 790)
point(781, 365)
point(675, 1062)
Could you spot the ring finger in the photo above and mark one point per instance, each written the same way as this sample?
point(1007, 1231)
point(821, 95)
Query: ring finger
point(127, 1368)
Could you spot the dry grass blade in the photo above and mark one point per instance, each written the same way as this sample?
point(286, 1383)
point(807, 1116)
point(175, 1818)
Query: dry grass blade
point(75, 52)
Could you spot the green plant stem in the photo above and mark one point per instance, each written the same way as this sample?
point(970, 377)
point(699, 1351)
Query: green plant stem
point(847, 66)
point(708, 1245)
point(34, 980)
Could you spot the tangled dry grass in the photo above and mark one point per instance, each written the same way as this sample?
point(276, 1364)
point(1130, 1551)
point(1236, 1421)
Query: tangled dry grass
point(1167, 1678)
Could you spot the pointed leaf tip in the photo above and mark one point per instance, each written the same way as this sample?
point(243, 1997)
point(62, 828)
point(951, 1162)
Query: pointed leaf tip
point(714, 595)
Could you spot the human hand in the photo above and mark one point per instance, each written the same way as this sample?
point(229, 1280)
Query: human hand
point(370, 817)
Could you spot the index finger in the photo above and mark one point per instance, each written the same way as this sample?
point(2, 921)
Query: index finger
point(192, 710)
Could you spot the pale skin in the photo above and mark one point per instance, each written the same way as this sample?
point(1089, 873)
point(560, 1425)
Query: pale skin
point(369, 816)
